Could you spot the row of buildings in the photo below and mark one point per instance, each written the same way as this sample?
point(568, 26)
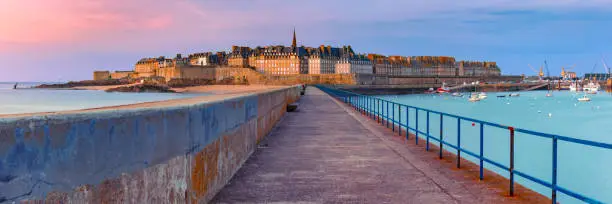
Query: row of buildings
point(294, 60)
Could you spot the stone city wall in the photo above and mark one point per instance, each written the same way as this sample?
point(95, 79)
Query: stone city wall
point(170, 154)
point(254, 77)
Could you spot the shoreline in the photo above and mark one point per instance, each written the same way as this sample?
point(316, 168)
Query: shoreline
point(216, 92)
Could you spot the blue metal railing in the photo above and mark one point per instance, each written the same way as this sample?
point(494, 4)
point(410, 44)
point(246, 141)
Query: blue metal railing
point(373, 108)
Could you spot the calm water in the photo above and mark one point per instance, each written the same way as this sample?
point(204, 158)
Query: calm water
point(582, 169)
point(44, 100)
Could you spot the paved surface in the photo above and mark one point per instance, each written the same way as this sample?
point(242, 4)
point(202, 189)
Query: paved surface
point(326, 154)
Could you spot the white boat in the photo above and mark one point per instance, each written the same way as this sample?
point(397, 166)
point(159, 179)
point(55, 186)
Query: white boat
point(474, 98)
point(575, 87)
point(591, 87)
point(515, 94)
point(584, 99)
point(482, 95)
point(549, 94)
point(457, 94)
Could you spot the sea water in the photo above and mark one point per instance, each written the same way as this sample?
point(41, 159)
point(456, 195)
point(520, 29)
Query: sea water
point(581, 169)
point(28, 100)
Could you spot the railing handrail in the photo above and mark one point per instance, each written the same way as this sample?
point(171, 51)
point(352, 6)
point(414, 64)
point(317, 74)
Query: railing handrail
point(368, 109)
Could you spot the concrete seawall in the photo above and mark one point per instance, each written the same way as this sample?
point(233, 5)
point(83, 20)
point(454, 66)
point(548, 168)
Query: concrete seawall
point(177, 154)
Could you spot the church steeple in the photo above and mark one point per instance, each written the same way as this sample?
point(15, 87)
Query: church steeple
point(294, 43)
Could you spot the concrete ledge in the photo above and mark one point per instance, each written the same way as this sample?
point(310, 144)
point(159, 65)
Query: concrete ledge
point(181, 153)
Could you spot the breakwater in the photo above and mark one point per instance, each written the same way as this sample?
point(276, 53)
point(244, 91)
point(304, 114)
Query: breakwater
point(180, 153)
point(421, 88)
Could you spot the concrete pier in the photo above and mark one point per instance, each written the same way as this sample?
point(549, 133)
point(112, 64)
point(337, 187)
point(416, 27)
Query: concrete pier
point(328, 153)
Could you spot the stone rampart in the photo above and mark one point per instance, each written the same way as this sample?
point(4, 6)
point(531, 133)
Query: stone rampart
point(170, 154)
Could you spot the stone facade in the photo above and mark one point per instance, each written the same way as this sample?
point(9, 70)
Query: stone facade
point(101, 75)
point(122, 74)
point(471, 68)
point(358, 65)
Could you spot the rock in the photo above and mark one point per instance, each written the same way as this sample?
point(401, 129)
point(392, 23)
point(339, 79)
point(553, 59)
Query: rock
point(143, 88)
point(72, 84)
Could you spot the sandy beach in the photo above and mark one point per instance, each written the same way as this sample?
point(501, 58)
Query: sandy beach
point(212, 89)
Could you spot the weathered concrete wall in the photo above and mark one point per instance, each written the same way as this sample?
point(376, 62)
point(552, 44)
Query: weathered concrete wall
point(179, 154)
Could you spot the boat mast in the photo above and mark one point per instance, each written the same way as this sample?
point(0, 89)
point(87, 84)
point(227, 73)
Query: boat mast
point(547, 74)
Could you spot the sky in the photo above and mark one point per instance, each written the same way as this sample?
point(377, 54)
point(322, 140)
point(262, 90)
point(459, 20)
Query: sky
point(61, 40)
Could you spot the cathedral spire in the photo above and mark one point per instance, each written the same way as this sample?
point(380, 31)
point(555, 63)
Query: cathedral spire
point(294, 43)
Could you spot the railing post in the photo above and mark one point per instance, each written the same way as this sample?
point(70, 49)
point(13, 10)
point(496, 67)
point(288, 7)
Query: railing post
point(481, 151)
point(359, 104)
point(407, 123)
point(373, 114)
point(369, 103)
point(393, 116)
point(374, 109)
point(399, 123)
point(416, 113)
point(371, 107)
point(458, 142)
point(387, 114)
point(378, 109)
point(427, 133)
point(441, 136)
point(348, 100)
point(554, 171)
point(511, 161)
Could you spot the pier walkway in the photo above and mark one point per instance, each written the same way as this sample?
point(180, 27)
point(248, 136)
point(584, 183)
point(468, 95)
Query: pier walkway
point(328, 153)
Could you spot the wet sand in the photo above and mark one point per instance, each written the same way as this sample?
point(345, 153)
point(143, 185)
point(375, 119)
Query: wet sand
point(99, 88)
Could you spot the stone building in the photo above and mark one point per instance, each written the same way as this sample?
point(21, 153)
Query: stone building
point(239, 57)
point(101, 75)
point(279, 60)
point(358, 64)
point(147, 67)
point(323, 60)
point(203, 59)
point(433, 66)
point(385, 66)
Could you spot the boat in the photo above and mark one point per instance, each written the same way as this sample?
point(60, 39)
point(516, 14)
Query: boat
point(430, 91)
point(474, 97)
point(515, 95)
point(501, 96)
point(584, 99)
point(575, 87)
point(457, 94)
point(482, 95)
point(443, 89)
point(591, 87)
point(549, 94)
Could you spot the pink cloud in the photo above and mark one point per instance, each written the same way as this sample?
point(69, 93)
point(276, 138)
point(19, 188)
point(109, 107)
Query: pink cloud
point(140, 24)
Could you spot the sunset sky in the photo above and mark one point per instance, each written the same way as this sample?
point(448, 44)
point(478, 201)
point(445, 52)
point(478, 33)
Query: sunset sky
point(60, 40)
